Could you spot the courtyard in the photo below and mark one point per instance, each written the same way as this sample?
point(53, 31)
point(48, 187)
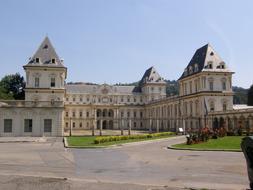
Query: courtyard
point(143, 165)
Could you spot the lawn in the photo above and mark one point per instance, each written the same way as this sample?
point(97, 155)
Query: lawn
point(225, 143)
point(88, 141)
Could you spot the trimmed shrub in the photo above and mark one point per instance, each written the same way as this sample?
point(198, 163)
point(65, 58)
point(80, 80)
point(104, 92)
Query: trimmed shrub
point(99, 140)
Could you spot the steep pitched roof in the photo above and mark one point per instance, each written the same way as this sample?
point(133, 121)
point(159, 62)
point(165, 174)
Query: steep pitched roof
point(201, 60)
point(97, 89)
point(151, 76)
point(45, 55)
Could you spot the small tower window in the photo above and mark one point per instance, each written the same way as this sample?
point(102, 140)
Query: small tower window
point(212, 106)
point(224, 106)
point(53, 61)
point(211, 85)
point(37, 81)
point(37, 60)
point(52, 84)
point(224, 86)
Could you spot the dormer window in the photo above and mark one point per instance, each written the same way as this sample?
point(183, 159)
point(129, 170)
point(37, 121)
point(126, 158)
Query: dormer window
point(185, 72)
point(53, 61)
point(221, 65)
point(196, 68)
point(190, 70)
point(210, 65)
point(37, 60)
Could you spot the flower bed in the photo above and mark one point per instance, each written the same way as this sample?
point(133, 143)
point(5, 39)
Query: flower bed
point(99, 140)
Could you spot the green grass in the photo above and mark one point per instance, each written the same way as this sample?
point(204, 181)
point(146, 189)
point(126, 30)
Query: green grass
point(88, 141)
point(225, 143)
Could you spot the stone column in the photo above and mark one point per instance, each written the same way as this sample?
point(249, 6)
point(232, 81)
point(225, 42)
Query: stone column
point(115, 119)
point(121, 126)
point(157, 125)
point(129, 127)
point(94, 122)
point(100, 128)
point(150, 125)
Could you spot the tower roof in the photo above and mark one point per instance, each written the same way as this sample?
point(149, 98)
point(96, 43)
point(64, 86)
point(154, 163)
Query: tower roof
point(45, 56)
point(201, 61)
point(151, 76)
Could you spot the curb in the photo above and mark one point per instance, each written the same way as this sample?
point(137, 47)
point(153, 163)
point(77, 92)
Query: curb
point(194, 149)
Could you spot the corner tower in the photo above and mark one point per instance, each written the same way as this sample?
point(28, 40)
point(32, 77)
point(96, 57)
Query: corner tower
point(45, 75)
point(206, 83)
point(152, 85)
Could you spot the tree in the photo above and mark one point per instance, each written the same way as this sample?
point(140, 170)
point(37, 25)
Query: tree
point(4, 95)
point(250, 96)
point(13, 86)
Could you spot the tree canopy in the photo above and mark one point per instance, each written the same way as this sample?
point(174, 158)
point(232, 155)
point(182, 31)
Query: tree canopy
point(12, 87)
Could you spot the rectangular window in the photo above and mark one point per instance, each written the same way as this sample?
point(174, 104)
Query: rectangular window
point(37, 82)
point(224, 85)
point(48, 125)
point(80, 114)
point(74, 124)
point(211, 85)
point(53, 61)
point(190, 87)
point(7, 125)
point(66, 125)
point(87, 114)
point(52, 82)
point(134, 114)
point(224, 107)
point(28, 126)
point(141, 115)
point(66, 114)
point(73, 114)
point(37, 60)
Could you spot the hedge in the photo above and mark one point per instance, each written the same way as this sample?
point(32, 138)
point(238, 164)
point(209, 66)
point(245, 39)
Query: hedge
point(99, 140)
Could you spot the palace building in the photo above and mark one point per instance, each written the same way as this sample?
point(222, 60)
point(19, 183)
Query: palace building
point(51, 106)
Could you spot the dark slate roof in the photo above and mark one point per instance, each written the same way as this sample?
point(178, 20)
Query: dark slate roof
point(98, 89)
point(200, 60)
point(151, 76)
point(46, 53)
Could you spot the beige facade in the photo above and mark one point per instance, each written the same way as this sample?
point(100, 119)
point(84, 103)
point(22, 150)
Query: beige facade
point(52, 107)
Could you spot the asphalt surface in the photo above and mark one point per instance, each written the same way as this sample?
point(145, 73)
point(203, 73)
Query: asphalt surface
point(146, 165)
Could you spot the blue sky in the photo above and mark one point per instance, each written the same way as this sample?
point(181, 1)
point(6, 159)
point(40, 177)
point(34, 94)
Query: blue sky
point(117, 40)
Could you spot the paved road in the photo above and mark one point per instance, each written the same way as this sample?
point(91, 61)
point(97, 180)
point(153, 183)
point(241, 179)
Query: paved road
point(142, 166)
